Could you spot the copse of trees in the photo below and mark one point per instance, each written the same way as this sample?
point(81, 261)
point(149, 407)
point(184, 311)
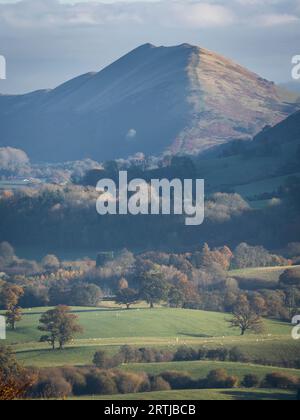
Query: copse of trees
point(46, 215)
point(246, 256)
point(60, 325)
point(195, 280)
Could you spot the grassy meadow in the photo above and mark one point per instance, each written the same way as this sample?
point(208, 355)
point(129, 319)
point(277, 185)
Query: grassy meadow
point(109, 327)
point(202, 395)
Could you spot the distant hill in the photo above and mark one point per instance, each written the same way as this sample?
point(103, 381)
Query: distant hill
point(184, 99)
point(256, 169)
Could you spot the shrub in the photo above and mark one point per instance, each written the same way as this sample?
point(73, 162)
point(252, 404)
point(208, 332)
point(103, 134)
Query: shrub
point(52, 387)
point(129, 354)
point(186, 354)
point(236, 355)
point(218, 354)
point(231, 382)
point(219, 379)
point(216, 378)
point(76, 378)
point(101, 383)
point(130, 383)
point(102, 361)
point(202, 354)
point(179, 380)
point(281, 381)
point(159, 384)
point(251, 381)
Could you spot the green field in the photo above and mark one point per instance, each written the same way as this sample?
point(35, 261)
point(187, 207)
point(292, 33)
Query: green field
point(202, 395)
point(109, 328)
point(202, 368)
point(265, 277)
point(117, 325)
point(162, 327)
point(271, 274)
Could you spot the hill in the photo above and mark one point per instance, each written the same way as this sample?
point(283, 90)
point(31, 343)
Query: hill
point(184, 99)
point(258, 168)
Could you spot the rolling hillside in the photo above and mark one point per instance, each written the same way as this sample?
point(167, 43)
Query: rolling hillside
point(162, 327)
point(183, 99)
point(257, 167)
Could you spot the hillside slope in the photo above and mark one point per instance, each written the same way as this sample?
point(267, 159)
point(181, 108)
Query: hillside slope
point(259, 167)
point(182, 98)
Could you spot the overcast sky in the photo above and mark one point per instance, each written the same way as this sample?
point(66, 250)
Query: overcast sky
point(47, 42)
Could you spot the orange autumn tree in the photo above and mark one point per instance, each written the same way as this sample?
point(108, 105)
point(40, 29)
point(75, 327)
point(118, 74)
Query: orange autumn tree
point(15, 381)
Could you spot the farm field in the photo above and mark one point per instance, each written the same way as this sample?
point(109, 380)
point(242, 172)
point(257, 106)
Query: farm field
point(117, 325)
point(200, 369)
point(263, 277)
point(266, 273)
point(110, 328)
point(201, 395)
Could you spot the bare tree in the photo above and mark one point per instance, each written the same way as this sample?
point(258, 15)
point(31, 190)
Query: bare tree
point(245, 317)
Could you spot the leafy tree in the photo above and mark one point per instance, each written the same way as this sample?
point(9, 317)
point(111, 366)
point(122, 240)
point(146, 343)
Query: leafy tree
point(51, 263)
point(59, 293)
point(259, 305)
point(219, 378)
point(127, 297)
point(251, 381)
point(245, 318)
point(85, 295)
point(10, 295)
point(7, 252)
point(154, 288)
point(102, 361)
point(60, 325)
point(176, 297)
point(13, 315)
